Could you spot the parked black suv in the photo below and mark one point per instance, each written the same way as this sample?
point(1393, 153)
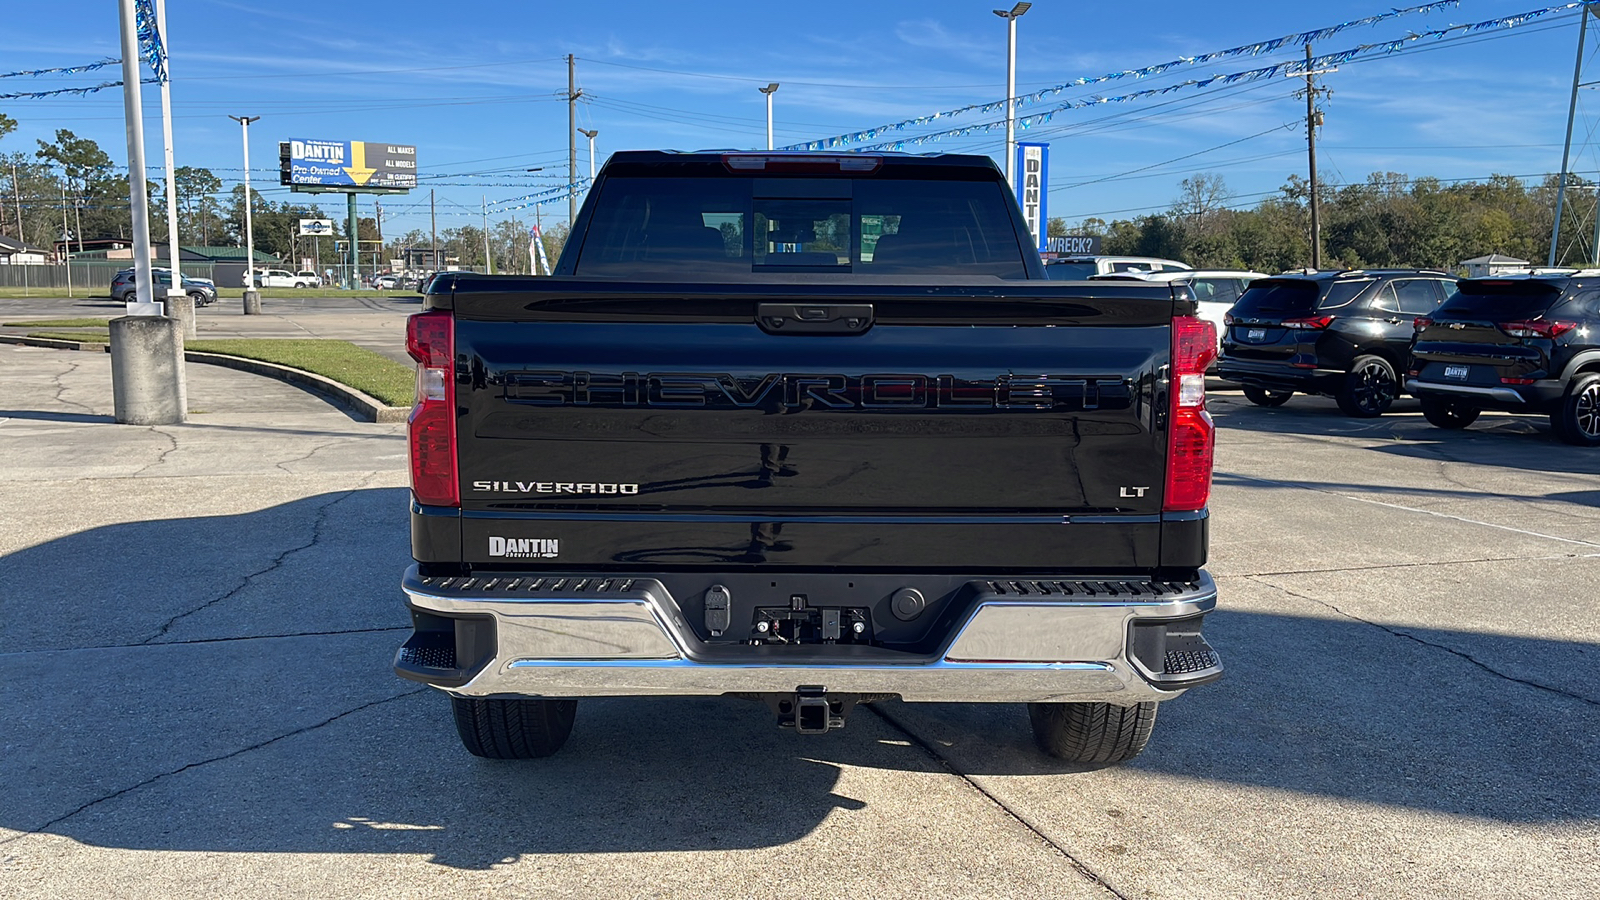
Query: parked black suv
point(1344, 334)
point(1525, 343)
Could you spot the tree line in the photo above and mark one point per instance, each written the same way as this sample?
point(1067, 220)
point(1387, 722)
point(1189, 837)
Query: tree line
point(1387, 220)
point(75, 176)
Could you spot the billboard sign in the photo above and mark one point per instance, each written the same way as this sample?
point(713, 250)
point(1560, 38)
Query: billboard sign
point(1032, 168)
point(347, 164)
point(1074, 245)
point(316, 227)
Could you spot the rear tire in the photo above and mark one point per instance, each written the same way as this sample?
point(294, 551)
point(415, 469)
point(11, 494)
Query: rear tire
point(1369, 389)
point(513, 729)
point(1261, 396)
point(1450, 414)
point(1092, 732)
point(1577, 420)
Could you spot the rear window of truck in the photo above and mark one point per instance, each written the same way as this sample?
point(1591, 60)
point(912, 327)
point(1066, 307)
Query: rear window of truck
point(646, 227)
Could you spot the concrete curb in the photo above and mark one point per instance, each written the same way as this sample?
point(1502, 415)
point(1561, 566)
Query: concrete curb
point(365, 406)
point(103, 347)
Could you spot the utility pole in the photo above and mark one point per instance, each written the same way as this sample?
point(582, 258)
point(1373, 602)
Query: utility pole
point(1313, 121)
point(377, 204)
point(16, 192)
point(488, 259)
point(591, 134)
point(252, 297)
point(572, 139)
point(1566, 149)
point(66, 239)
point(433, 227)
point(769, 90)
point(1016, 12)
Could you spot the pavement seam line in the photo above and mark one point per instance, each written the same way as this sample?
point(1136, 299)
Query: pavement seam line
point(1077, 865)
point(1412, 565)
point(1306, 487)
point(277, 562)
point(206, 762)
point(199, 641)
point(1401, 633)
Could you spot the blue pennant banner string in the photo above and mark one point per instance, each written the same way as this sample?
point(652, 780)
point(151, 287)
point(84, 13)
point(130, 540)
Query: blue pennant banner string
point(541, 197)
point(1252, 49)
point(150, 38)
point(63, 70)
point(1287, 69)
point(79, 91)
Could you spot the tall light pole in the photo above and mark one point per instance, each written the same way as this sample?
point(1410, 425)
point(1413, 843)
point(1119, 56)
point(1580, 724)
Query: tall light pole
point(1011, 18)
point(249, 223)
point(769, 90)
point(176, 288)
point(138, 199)
point(590, 134)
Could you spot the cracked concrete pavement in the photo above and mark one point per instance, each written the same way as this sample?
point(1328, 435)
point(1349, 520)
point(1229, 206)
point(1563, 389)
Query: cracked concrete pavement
point(196, 624)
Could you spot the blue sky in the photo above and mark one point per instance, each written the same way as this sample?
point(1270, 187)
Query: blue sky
point(477, 86)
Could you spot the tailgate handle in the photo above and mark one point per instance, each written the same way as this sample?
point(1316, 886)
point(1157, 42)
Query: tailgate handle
point(814, 318)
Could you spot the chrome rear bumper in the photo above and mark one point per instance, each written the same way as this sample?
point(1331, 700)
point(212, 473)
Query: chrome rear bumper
point(607, 636)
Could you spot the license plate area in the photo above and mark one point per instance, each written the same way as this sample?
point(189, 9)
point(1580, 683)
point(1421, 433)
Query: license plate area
point(1256, 335)
point(1457, 373)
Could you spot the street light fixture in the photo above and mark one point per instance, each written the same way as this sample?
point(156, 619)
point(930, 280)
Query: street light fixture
point(769, 90)
point(252, 299)
point(1011, 18)
point(591, 136)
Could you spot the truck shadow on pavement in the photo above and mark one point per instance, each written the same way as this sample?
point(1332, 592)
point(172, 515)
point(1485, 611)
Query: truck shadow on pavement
point(194, 706)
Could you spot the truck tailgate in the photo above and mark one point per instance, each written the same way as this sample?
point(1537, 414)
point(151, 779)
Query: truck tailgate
point(945, 432)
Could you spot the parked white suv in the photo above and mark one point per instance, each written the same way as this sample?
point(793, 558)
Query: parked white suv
point(283, 278)
point(1215, 289)
point(1077, 268)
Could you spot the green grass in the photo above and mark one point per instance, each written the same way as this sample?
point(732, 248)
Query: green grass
point(371, 373)
point(378, 376)
point(59, 323)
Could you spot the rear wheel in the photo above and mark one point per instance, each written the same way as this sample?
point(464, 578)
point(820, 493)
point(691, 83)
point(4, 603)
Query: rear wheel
point(1452, 414)
point(1261, 396)
point(513, 729)
point(1092, 732)
point(1369, 389)
point(1577, 420)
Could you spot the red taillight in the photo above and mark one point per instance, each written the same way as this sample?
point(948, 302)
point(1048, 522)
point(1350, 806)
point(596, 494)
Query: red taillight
point(1537, 328)
point(430, 339)
point(1516, 381)
point(1420, 322)
point(1227, 319)
point(1310, 323)
point(1190, 434)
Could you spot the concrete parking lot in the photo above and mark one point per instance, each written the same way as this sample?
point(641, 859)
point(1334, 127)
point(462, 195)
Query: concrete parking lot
point(197, 623)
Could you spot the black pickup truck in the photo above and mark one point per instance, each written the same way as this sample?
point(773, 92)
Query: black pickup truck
point(813, 430)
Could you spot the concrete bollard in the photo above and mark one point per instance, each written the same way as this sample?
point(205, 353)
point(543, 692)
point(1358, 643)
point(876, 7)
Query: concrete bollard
point(252, 303)
point(181, 307)
point(147, 383)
